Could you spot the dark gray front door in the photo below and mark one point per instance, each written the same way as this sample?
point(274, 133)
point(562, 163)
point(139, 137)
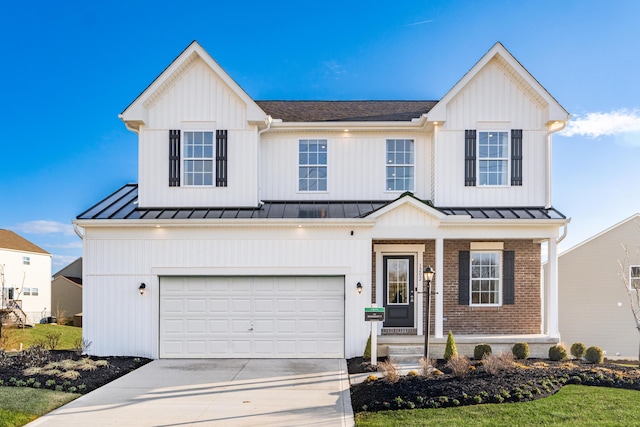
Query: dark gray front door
point(398, 291)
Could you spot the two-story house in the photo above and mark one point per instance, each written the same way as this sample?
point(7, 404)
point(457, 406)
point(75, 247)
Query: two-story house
point(25, 278)
point(265, 228)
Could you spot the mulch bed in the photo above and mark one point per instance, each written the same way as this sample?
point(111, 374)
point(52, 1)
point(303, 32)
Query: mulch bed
point(12, 371)
point(529, 380)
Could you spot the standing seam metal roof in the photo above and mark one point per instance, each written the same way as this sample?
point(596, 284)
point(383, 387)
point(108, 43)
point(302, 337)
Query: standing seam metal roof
point(123, 204)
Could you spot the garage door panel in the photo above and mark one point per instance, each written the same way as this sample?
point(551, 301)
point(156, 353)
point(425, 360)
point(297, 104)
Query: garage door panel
point(252, 317)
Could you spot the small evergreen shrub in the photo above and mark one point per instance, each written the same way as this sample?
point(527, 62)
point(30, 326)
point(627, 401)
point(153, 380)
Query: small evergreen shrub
point(450, 351)
point(367, 349)
point(594, 354)
point(577, 350)
point(557, 352)
point(480, 350)
point(520, 350)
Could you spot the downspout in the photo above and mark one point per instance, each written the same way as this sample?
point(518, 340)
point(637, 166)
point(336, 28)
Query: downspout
point(268, 120)
point(547, 202)
point(76, 229)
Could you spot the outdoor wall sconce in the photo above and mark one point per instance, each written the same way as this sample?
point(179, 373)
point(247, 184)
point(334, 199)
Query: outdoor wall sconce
point(359, 288)
point(142, 288)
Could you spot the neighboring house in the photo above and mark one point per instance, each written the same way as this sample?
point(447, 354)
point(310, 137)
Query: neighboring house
point(254, 224)
point(66, 291)
point(593, 301)
point(25, 277)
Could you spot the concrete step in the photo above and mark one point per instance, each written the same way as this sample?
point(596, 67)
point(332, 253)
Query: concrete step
point(405, 354)
point(405, 349)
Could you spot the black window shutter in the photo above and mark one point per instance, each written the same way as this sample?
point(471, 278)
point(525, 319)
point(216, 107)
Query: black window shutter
point(464, 266)
point(174, 158)
point(221, 158)
point(508, 277)
point(469, 158)
point(516, 157)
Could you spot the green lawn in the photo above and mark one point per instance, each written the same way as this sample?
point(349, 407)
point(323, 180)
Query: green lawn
point(30, 336)
point(21, 405)
point(573, 405)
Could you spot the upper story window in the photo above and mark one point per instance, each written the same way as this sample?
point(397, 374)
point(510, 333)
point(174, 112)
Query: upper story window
point(198, 158)
point(26, 291)
point(400, 164)
point(493, 158)
point(312, 165)
point(26, 260)
point(485, 278)
point(634, 277)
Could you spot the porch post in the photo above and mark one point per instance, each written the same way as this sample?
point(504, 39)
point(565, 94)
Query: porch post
point(439, 276)
point(551, 291)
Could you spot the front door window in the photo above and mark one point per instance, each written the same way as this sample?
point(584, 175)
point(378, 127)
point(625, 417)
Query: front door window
point(398, 281)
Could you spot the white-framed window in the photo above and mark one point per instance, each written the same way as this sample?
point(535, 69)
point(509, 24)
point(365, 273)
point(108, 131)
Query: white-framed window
point(486, 280)
point(34, 292)
point(312, 165)
point(398, 272)
point(493, 158)
point(26, 291)
point(26, 260)
point(400, 165)
point(634, 277)
point(198, 158)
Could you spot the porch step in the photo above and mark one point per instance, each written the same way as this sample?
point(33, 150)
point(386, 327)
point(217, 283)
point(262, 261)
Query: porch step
point(405, 354)
point(399, 331)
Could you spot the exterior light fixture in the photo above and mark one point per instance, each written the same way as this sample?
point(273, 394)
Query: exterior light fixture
point(142, 288)
point(428, 277)
point(359, 288)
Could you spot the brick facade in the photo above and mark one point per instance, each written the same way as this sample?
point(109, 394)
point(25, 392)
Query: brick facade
point(522, 317)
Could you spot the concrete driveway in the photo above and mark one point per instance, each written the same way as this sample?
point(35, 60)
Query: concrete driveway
point(225, 392)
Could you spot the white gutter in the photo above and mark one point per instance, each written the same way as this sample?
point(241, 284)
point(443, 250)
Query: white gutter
point(564, 231)
point(230, 222)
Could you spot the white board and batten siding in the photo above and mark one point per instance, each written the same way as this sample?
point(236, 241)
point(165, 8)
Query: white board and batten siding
point(197, 99)
point(253, 317)
point(356, 165)
point(147, 255)
point(493, 100)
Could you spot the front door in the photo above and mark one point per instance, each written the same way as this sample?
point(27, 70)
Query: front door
point(398, 291)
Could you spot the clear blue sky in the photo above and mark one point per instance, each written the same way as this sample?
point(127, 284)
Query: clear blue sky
point(68, 68)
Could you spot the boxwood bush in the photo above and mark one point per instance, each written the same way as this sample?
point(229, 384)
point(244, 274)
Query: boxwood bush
point(520, 350)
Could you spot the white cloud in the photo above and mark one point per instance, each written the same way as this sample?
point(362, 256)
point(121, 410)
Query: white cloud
point(419, 23)
point(60, 261)
point(594, 125)
point(71, 245)
point(45, 227)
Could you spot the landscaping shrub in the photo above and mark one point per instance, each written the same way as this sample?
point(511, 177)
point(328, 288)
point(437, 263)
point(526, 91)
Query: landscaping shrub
point(459, 365)
point(35, 355)
point(495, 363)
point(389, 371)
point(520, 350)
point(427, 365)
point(450, 350)
point(557, 352)
point(52, 339)
point(480, 350)
point(367, 349)
point(594, 354)
point(578, 349)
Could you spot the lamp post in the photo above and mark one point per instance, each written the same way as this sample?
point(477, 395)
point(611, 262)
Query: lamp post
point(428, 277)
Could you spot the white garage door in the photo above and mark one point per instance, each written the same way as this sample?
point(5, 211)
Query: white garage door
point(254, 317)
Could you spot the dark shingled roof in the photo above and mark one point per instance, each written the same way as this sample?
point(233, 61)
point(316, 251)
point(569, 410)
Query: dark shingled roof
point(123, 204)
point(346, 111)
